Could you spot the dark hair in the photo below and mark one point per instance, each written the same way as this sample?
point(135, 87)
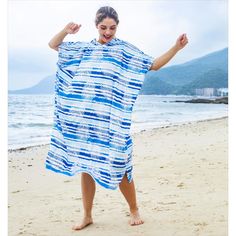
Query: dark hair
point(105, 12)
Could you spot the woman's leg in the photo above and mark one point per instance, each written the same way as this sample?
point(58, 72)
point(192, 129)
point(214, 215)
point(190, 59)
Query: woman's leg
point(128, 190)
point(88, 191)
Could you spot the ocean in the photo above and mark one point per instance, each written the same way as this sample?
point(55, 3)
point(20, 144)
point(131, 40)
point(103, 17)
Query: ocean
point(30, 117)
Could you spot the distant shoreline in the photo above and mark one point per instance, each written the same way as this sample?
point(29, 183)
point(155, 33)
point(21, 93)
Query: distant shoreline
point(217, 100)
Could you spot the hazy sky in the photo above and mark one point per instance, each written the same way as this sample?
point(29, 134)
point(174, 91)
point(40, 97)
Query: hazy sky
point(153, 26)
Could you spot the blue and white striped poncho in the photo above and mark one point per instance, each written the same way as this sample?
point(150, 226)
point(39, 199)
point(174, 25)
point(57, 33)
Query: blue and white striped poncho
point(95, 90)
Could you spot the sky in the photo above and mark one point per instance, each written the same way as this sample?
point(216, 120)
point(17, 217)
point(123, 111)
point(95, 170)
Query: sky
point(152, 26)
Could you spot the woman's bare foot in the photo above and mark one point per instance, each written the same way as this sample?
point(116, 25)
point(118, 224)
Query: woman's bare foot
point(135, 218)
point(86, 222)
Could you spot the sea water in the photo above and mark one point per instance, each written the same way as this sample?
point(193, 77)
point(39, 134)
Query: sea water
point(30, 117)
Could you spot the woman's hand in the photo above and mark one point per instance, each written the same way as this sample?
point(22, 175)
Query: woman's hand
point(72, 28)
point(181, 41)
point(166, 57)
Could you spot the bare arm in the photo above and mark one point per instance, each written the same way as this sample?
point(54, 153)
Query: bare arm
point(166, 57)
point(70, 28)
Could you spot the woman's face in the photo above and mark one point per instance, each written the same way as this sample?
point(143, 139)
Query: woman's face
point(106, 30)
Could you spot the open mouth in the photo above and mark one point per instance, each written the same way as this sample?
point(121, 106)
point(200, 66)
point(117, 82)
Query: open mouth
point(107, 37)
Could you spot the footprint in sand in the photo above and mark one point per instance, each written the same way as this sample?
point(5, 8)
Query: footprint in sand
point(77, 198)
point(166, 203)
point(181, 185)
point(163, 181)
point(200, 226)
point(17, 191)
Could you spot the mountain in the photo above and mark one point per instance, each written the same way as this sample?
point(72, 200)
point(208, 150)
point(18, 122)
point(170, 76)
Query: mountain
point(210, 71)
point(157, 86)
point(26, 67)
point(215, 78)
point(45, 86)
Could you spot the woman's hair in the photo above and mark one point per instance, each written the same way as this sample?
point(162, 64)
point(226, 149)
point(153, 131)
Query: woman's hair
point(105, 12)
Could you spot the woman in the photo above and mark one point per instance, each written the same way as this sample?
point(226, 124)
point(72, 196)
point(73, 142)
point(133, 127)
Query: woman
point(96, 86)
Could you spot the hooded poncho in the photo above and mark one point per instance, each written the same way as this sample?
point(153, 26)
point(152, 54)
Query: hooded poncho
point(95, 90)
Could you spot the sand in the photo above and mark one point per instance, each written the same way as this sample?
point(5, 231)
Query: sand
point(181, 177)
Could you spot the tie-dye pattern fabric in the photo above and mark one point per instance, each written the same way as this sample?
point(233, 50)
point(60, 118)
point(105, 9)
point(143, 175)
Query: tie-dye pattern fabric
point(95, 90)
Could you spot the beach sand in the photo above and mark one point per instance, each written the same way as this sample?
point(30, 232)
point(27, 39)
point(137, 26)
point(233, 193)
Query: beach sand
point(180, 173)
